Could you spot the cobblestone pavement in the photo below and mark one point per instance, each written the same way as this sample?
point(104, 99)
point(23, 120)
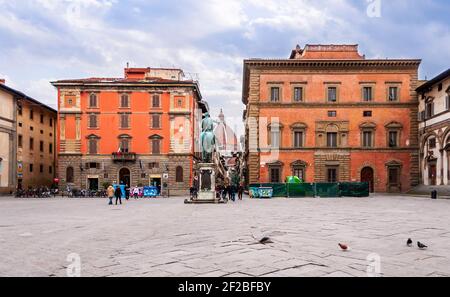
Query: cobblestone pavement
point(164, 237)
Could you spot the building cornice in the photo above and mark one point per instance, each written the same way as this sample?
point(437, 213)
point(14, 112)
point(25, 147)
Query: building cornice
point(412, 104)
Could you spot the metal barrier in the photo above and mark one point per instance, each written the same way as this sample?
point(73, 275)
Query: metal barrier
point(322, 190)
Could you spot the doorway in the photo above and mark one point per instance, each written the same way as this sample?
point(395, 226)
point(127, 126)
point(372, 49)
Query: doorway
point(156, 182)
point(432, 174)
point(394, 180)
point(125, 176)
point(367, 176)
point(93, 184)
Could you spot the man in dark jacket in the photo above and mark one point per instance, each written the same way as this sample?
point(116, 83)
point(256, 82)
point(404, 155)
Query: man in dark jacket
point(118, 194)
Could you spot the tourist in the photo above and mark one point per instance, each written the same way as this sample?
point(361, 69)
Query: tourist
point(136, 193)
point(127, 192)
point(110, 192)
point(240, 191)
point(118, 194)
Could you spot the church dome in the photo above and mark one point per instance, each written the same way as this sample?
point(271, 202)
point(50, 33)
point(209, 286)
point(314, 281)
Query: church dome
point(227, 141)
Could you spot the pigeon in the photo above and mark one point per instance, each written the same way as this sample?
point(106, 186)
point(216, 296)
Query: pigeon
point(409, 242)
point(344, 247)
point(421, 245)
point(265, 240)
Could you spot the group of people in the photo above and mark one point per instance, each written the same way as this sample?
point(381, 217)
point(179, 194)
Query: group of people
point(229, 191)
point(117, 193)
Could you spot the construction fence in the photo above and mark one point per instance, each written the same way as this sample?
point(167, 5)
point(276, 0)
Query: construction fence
point(322, 190)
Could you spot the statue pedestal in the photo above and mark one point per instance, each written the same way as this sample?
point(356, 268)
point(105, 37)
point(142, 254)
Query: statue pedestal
point(207, 185)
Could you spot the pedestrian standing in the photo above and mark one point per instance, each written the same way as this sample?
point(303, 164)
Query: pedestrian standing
point(136, 193)
point(118, 194)
point(110, 193)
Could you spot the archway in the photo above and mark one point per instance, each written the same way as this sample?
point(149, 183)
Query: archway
point(125, 176)
point(367, 176)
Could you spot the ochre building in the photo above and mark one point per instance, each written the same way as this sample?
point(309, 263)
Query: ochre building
point(139, 130)
point(328, 114)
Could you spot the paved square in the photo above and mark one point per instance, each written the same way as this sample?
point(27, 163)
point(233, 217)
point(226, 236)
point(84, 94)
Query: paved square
point(164, 237)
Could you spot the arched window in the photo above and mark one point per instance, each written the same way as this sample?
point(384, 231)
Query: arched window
point(69, 175)
point(179, 174)
point(124, 101)
point(93, 100)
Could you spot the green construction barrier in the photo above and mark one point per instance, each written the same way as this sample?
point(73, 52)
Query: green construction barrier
point(354, 189)
point(300, 190)
point(327, 190)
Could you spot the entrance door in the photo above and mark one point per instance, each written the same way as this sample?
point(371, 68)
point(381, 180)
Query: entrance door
point(156, 182)
point(394, 179)
point(367, 177)
point(93, 184)
point(432, 174)
point(125, 176)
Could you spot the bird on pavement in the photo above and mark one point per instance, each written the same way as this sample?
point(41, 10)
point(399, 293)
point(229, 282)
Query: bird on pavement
point(265, 240)
point(421, 245)
point(344, 247)
point(409, 242)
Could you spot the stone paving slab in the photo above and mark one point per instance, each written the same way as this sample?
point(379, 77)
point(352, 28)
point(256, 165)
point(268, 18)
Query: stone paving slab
point(165, 237)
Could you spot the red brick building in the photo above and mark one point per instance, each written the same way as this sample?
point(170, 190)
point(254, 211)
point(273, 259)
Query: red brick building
point(328, 114)
point(142, 129)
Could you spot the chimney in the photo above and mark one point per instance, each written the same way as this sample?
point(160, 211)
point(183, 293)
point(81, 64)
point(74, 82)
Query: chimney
point(2, 81)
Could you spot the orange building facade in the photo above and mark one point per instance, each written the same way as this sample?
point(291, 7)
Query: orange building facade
point(328, 114)
point(139, 130)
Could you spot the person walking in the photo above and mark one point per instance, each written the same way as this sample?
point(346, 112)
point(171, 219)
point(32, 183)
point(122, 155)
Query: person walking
point(118, 194)
point(127, 192)
point(136, 193)
point(110, 193)
point(240, 191)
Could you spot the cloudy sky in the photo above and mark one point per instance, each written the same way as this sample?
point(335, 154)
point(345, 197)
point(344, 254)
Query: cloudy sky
point(45, 40)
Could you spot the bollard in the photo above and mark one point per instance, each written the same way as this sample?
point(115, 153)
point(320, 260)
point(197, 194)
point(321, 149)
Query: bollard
point(434, 194)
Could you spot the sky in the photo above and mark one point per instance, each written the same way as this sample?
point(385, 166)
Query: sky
point(47, 40)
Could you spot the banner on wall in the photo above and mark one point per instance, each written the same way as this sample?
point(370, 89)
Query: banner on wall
point(19, 169)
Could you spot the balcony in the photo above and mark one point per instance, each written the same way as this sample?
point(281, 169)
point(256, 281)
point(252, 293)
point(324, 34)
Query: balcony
point(124, 157)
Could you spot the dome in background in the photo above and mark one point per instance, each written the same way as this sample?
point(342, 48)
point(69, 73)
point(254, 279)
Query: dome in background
point(226, 138)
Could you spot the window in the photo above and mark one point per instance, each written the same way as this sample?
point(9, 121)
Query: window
point(69, 175)
point(50, 169)
point(124, 145)
point(20, 141)
point(298, 139)
point(299, 172)
point(429, 110)
point(143, 175)
point(20, 124)
point(93, 100)
point(31, 114)
point(275, 137)
point(393, 139)
point(19, 109)
point(42, 131)
point(93, 121)
point(447, 102)
point(332, 94)
point(92, 143)
point(156, 121)
point(155, 101)
point(41, 146)
point(393, 93)
point(153, 165)
point(31, 143)
point(93, 165)
point(31, 128)
point(42, 118)
point(332, 113)
point(124, 101)
point(332, 173)
point(50, 148)
point(51, 122)
point(124, 121)
point(332, 139)
point(156, 146)
point(275, 94)
point(367, 139)
point(179, 174)
point(440, 87)
point(298, 94)
point(367, 114)
point(367, 94)
point(41, 168)
point(275, 174)
point(31, 167)
point(432, 143)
